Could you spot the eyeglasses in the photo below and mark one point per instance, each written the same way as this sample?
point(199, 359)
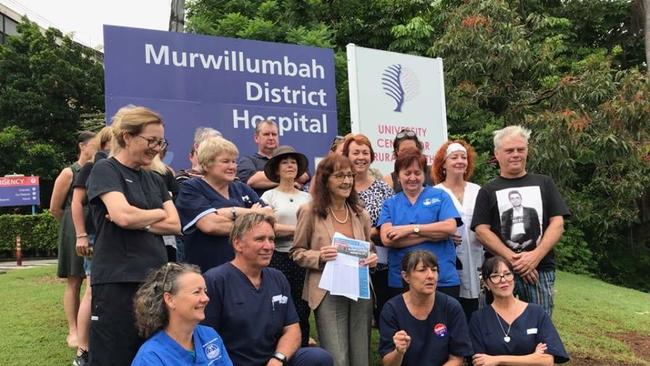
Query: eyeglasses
point(341, 176)
point(496, 278)
point(405, 133)
point(153, 142)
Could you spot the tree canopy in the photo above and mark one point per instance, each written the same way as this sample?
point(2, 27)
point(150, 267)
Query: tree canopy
point(47, 82)
point(572, 70)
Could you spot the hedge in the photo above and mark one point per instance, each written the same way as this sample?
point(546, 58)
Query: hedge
point(38, 235)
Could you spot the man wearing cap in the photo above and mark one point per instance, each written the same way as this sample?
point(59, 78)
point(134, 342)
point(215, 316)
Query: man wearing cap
point(534, 262)
point(250, 169)
point(285, 199)
point(250, 304)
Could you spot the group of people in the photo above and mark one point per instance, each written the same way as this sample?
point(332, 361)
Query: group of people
point(222, 265)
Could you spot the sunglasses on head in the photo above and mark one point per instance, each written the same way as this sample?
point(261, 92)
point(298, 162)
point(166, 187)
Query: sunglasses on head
point(405, 133)
point(335, 141)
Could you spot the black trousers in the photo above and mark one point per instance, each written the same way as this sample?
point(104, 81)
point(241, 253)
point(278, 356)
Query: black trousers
point(296, 277)
point(113, 339)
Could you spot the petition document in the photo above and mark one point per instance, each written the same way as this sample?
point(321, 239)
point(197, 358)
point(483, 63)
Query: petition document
point(344, 276)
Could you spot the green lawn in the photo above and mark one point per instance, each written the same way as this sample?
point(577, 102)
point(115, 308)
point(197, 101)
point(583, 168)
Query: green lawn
point(589, 314)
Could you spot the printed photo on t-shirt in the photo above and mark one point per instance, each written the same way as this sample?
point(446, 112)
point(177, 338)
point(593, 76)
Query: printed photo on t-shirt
point(521, 213)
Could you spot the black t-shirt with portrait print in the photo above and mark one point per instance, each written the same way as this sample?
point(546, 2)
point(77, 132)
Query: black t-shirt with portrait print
point(538, 191)
point(124, 255)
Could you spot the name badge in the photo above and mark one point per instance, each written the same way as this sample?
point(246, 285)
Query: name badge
point(531, 331)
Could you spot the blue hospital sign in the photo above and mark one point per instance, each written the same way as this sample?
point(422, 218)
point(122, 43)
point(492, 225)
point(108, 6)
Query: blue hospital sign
point(225, 83)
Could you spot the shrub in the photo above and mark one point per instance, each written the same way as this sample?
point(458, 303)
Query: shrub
point(38, 234)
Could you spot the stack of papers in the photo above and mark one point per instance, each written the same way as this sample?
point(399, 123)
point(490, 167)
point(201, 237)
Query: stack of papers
point(344, 276)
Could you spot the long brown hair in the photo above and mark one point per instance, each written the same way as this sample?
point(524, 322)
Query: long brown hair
point(321, 199)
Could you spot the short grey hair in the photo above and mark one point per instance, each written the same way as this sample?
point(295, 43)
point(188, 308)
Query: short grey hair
point(514, 130)
point(259, 124)
point(246, 222)
point(202, 133)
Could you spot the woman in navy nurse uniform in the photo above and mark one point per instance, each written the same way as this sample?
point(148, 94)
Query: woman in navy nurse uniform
point(422, 326)
point(208, 205)
point(510, 331)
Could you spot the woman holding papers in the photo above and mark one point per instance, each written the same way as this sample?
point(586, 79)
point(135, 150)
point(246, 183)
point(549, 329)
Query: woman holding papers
point(285, 199)
point(372, 192)
point(510, 331)
point(422, 326)
point(343, 324)
point(453, 165)
point(419, 218)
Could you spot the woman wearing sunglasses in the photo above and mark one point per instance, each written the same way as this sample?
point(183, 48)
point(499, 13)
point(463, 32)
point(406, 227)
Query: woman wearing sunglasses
point(168, 308)
point(406, 140)
point(343, 324)
point(510, 331)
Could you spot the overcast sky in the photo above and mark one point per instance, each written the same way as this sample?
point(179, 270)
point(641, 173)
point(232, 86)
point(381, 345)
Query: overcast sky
point(85, 18)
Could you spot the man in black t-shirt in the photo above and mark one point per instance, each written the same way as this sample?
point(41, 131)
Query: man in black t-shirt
point(523, 237)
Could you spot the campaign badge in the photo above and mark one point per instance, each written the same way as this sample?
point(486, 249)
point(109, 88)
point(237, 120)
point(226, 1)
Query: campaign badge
point(440, 330)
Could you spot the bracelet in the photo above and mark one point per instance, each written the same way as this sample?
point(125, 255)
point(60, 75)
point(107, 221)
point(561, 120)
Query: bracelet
point(84, 235)
point(233, 211)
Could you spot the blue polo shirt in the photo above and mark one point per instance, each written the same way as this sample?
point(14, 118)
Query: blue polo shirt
point(196, 199)
point(443, 333)
point(250, 320)
point(161, 349)
point(433, 205)
point(533, 326)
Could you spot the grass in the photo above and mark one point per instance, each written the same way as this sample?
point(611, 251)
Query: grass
point(589, 315)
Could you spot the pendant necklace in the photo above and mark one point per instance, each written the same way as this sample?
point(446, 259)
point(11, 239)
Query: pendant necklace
point(347, 214)
point(506, 337)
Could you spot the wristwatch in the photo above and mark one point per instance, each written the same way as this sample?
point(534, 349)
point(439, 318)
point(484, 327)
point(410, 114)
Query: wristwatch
point(416, 229)
point(233, 212)
point(280, 357)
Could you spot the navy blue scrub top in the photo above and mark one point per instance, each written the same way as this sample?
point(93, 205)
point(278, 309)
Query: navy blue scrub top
point(444, 332)
point(533, 326)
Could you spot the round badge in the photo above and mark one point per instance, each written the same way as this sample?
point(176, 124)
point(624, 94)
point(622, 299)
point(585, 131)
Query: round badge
point(440, 330)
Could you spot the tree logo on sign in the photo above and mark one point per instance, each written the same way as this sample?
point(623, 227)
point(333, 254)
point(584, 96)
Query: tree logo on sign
point(400, 84)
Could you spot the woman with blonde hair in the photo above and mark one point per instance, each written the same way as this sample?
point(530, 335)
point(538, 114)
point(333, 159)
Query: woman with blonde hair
point(131, 209)
point(208, 205)
point(168, 308)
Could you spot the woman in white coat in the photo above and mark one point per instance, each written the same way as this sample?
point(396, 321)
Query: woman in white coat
point(453, 166)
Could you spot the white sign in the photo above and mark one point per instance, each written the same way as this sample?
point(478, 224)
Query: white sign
point(390, 91)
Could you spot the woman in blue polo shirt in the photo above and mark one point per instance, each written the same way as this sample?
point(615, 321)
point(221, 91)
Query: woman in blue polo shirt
point(168, 308)
point(510, 331)
point(422, 326)
point(419, 218)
